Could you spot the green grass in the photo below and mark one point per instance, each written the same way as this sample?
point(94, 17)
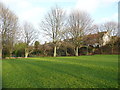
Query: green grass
point(98, 71)
point(0, 74)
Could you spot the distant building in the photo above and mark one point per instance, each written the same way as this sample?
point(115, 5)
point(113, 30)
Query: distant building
point(106, 38)
point(100, 39)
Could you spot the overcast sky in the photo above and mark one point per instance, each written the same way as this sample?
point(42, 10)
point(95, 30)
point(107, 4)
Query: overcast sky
point(34, 10)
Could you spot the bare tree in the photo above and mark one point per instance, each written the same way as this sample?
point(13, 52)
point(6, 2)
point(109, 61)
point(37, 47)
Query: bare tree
point(8, 26)
point(30, 35)
point(0, 44)
point(1, 30)
point(53, 25)
point(79, 24)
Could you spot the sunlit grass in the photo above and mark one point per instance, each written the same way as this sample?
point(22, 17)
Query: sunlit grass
point(61, 72)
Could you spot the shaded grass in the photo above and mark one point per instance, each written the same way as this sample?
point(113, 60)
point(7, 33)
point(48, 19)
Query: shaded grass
point(61, 72)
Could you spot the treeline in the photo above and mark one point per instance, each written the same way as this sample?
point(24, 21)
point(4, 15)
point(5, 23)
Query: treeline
point(73, 34)
point(66, 49)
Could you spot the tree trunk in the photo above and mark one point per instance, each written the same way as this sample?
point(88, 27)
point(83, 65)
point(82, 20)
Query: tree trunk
point(66, 52)
point(54, 51)
point(76, 51)
point(26, 52)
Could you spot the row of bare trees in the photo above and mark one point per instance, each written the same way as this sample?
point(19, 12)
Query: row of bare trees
point(77, 23)
point(59, 26)
point(11, 32)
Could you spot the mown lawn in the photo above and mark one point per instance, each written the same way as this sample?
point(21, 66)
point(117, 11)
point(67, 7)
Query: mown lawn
point(97, 71)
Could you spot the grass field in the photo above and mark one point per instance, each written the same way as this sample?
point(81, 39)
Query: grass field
point(98, 71)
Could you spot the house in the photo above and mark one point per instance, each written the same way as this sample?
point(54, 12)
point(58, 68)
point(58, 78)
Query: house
point(100, 39)
point(106, 38)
